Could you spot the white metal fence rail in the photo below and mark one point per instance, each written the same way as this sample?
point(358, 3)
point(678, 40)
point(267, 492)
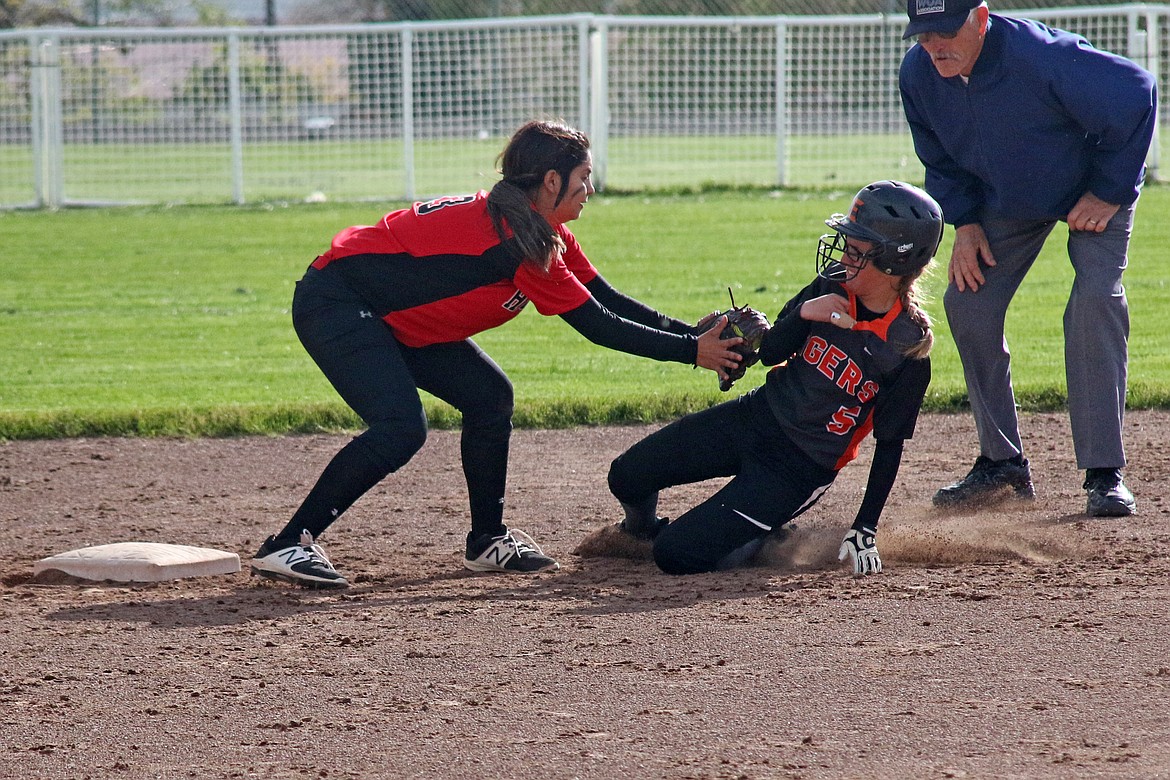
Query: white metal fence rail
point(415, 109)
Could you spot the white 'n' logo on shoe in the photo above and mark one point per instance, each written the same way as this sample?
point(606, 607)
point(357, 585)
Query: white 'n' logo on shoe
point(500, 554)
point(291, 555)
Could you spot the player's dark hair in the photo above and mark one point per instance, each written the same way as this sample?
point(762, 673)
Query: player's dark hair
point(535, 149)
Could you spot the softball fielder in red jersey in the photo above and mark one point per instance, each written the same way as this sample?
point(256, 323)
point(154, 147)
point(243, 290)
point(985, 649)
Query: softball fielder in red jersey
point(390, 308)
point(851, 358)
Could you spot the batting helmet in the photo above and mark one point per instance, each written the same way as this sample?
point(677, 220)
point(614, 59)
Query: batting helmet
point(903, 223)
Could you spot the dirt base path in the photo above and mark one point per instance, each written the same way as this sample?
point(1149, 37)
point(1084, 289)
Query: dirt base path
point(1028, 642)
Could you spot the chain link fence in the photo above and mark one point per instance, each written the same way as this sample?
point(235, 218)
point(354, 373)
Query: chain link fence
point(413, 109)
point(170, 13)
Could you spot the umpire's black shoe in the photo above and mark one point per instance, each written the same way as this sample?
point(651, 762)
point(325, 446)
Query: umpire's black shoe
point(988, 482)
point(1108, 495)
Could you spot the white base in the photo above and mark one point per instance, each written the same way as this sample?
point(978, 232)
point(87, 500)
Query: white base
point(140, 562)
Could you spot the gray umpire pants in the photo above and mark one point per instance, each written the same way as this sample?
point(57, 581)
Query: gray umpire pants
point(1096, 337)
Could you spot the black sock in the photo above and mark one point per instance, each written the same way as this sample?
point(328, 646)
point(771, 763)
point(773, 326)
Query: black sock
point(351, 473)
point(641, 516)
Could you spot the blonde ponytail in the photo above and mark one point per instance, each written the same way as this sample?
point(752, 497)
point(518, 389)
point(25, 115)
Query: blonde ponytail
point(912, 303)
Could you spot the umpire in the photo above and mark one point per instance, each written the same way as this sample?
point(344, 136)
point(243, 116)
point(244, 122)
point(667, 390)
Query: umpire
point(1020, 126)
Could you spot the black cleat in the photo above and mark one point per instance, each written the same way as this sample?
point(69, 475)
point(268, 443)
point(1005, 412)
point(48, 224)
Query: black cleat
point(1108, 495)
point(304, 564)
point(989, 482)
point(513, 552)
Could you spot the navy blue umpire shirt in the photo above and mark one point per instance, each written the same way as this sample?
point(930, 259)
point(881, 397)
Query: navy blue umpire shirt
point(1044, 118)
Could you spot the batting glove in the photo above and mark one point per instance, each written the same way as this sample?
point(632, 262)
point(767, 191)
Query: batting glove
point(861, 548)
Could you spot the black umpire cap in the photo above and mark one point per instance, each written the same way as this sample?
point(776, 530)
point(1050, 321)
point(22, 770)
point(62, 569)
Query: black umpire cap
point(938, 16)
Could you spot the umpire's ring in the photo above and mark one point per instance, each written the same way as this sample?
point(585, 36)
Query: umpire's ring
point(835, 316)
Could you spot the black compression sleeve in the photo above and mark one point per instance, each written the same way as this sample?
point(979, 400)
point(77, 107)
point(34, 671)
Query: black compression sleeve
point(789, 330)
point(784, 338)
point(887, 457)
point(634, 310)
point(606, 329)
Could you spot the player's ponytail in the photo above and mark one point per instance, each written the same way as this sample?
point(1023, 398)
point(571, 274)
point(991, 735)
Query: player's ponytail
point(912, 303)
point(534, 150)
point(533, 239)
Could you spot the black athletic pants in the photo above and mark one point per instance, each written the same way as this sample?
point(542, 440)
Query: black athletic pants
point(380, 378)
point(773, 481)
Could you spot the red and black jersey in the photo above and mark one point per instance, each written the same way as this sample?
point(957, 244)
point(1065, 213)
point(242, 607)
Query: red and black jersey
point(834, 386)
point(437, 272)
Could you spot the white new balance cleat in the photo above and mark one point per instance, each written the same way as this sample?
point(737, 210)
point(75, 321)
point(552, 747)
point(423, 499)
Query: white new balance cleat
point(514, 552)
point(303, 564)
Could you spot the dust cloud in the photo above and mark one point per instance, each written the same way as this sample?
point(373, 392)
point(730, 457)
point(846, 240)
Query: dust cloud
point(926, 541)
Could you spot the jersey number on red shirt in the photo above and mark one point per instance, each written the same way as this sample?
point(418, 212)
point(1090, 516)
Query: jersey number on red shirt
point(422, 209)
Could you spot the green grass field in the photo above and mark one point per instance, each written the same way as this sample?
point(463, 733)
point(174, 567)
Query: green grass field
point(376, 169)
point(175, 320)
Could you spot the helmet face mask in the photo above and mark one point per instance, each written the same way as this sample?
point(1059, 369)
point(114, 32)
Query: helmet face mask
point(902, 222)
point(833, 252)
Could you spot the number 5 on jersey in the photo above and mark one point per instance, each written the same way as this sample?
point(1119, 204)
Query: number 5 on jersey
point(843, 420)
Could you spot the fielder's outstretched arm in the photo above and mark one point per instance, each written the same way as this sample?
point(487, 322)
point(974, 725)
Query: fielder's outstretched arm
point(634, 310)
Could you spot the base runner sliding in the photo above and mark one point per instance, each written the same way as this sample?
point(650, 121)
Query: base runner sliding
point(851, 358)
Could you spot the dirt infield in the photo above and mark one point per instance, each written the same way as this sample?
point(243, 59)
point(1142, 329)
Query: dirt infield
point(1028, 642)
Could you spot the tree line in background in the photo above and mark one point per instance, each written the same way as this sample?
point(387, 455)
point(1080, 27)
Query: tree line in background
point(216, 13)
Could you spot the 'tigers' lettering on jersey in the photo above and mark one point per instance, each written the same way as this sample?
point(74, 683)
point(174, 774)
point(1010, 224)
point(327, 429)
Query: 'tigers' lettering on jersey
point(516, 302)
point(832, 361)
